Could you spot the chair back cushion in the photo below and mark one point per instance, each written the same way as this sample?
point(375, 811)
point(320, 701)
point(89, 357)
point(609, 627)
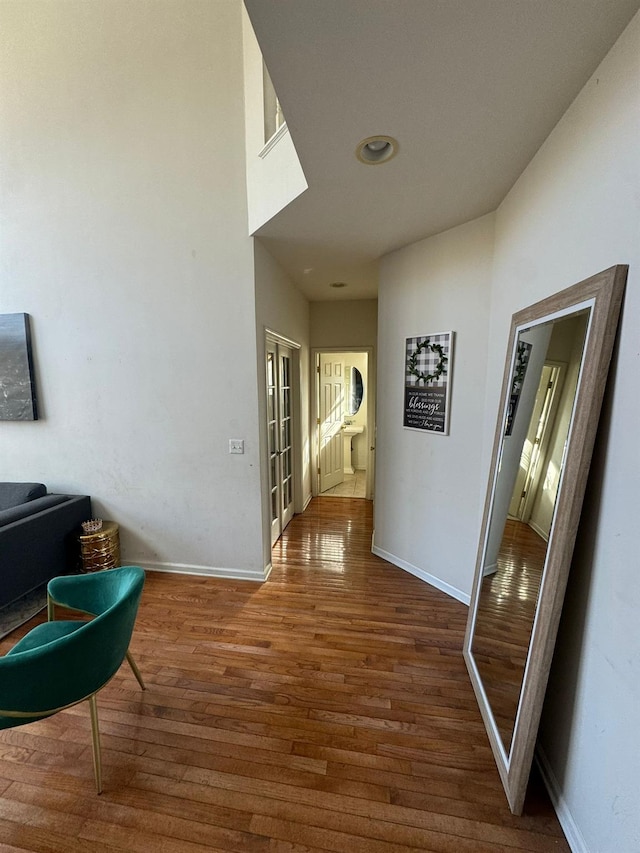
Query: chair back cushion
point(53, 667)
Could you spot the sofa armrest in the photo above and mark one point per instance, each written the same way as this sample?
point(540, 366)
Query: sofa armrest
point(15, 513)
point(41, 546)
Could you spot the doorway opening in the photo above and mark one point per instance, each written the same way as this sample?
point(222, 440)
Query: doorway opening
point(534, 479)
point(344, 402)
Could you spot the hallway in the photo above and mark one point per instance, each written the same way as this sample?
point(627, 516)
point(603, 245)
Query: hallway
point(328, 709)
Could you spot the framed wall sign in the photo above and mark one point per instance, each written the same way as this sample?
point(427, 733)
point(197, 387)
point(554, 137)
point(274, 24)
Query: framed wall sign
point(427, 382)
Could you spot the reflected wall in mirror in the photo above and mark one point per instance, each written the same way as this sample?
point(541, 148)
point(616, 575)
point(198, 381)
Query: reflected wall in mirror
point(558, 357)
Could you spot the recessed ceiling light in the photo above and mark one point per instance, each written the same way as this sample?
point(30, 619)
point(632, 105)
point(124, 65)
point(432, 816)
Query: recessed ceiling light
point(338, 284)
point(376, 149)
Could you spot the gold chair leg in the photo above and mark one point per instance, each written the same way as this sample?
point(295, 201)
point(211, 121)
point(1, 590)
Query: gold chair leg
point(95, 737)
point(51, 608)
point(135, 669)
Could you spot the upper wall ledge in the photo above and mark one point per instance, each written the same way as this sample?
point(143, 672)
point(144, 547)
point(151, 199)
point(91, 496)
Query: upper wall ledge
point(271, 143)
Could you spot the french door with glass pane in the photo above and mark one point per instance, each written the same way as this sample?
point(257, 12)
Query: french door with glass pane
point(280, 434)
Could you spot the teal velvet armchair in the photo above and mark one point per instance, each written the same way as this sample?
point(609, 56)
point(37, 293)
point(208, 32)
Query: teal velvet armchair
point(90, 595)
point(60, 663)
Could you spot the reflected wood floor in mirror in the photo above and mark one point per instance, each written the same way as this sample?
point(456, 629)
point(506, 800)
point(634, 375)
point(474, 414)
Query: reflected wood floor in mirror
point(506, 610)
point(328, 709)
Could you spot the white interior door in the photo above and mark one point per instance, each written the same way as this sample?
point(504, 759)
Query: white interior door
point(331, 415)
point(529, 477)
point(280, 434)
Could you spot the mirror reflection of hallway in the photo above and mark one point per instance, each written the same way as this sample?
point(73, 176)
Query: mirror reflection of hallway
point(530, 473)
point(528, 504)
point(519, 583)
point(343, 422)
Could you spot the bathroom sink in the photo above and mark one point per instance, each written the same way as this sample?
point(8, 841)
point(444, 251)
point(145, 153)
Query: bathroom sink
point(348, 431)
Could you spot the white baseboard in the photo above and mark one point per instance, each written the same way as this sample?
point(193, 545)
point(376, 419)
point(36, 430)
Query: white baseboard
point(543, 534)
point(424, 576)
point(206, 571)
point(569, 827)
point(307, 501)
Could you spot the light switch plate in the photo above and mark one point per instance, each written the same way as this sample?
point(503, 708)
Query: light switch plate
point(236, 445)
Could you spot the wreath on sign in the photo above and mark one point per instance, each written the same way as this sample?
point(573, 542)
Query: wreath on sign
point(440, 368)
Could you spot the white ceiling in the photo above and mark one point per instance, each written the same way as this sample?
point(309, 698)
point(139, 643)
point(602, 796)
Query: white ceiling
point(469, 88)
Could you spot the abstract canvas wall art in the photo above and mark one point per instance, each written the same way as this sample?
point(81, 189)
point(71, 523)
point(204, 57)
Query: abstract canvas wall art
point(17, 383)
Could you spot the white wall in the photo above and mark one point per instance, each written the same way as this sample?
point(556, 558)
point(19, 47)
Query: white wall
point(575, 211)
point(428, 499)
point(344, 323)
point(124, 235)
point(282, 309)
point(276, 178)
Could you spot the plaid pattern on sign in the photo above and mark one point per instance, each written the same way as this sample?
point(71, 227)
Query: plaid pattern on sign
point(427, 360)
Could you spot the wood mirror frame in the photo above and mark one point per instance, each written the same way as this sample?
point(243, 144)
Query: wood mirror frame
point(598, 300)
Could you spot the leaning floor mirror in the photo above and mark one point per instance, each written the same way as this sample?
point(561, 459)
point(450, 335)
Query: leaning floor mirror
point(557, 363)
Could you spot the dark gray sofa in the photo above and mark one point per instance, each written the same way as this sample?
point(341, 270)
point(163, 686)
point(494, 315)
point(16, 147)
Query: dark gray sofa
point(37, 540)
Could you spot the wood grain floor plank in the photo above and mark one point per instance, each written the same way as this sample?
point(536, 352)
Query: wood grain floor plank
point(34, 839)
point(422, 830)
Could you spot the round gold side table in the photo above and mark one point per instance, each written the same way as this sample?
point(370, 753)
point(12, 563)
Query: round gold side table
point(100, 550)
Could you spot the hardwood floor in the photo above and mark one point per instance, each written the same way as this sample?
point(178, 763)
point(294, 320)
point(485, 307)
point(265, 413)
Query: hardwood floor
point(328, 709)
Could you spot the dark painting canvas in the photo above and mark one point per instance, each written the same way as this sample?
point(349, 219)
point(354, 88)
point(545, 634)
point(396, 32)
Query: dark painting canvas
point(17, 386)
